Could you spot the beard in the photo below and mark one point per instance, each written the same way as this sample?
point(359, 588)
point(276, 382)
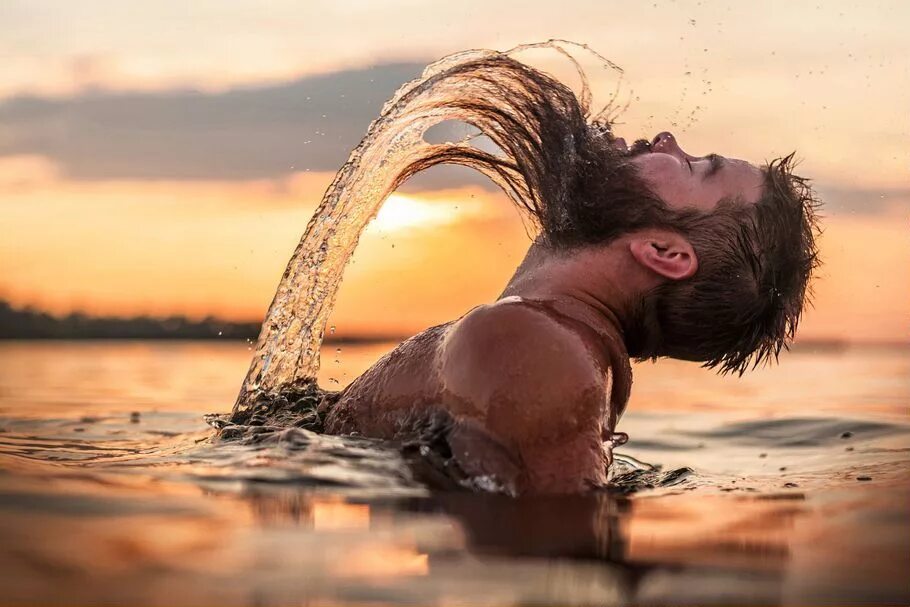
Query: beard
point(604, 196)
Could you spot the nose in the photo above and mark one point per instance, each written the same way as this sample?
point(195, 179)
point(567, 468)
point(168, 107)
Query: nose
point(665, 143)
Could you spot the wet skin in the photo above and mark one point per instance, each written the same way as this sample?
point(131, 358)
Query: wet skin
point(536, 382)
point(527, 383)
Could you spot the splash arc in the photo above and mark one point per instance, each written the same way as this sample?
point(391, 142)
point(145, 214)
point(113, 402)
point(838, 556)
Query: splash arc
point(474, 87)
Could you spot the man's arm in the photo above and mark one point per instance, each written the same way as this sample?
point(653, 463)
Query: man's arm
point(531, 399)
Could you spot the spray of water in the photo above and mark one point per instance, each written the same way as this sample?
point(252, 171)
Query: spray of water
point(492, 91)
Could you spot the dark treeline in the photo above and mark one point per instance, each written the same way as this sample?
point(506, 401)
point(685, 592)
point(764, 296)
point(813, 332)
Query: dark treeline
point(29, 323)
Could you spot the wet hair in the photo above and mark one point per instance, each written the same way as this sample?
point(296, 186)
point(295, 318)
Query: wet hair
point(744, 302)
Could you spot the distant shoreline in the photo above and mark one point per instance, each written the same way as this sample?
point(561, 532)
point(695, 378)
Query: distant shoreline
point(354, 340)
point(29, 324)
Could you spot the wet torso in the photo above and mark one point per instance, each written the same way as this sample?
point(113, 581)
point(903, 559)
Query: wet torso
point(531, 390)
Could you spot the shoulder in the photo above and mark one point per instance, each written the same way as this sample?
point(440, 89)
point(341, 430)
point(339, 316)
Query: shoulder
point(523, 370)
point(526, 331)
point(518, 332)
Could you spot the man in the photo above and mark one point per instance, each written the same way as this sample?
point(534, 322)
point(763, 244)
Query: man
point(644, 252)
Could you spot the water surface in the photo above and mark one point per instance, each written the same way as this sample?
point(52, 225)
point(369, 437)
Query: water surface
point(112, 491)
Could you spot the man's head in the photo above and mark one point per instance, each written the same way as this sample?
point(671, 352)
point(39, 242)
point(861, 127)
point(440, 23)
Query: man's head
point(736, 253)
point(683, 182)
point(736, 246)
point(733, 245)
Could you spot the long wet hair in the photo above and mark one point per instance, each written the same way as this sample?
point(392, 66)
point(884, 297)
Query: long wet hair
point(743, 304)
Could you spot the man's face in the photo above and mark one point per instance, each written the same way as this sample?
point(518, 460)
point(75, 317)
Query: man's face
point(685, 181)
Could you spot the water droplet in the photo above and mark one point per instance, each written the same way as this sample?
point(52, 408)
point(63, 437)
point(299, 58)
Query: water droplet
point(618, 439)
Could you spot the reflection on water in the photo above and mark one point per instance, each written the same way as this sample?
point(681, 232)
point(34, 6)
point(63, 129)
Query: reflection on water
point(111, 491)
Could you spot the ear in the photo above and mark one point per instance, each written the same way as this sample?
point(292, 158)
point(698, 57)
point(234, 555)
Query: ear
point(666, 253)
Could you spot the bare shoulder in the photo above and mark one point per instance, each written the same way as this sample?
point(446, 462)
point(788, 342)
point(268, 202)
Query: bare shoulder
point(523, 371)
point(519, 333)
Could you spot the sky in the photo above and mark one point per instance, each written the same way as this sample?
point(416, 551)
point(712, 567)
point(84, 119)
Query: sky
point(164, 158)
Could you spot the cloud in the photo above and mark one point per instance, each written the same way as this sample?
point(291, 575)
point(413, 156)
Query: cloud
point(239, 134)
point(249, 132)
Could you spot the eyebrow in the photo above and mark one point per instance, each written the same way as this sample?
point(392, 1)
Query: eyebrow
point(717, 162)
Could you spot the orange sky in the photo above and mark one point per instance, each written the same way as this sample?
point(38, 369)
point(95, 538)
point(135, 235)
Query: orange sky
point(89, 226)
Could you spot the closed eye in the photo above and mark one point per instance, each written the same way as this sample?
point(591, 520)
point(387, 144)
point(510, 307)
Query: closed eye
point(716, 163)
point(689, 163)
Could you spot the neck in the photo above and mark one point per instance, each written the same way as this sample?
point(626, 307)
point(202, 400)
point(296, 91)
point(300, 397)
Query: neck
point(598, 285)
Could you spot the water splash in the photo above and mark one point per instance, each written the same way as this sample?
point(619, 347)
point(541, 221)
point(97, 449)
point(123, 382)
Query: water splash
point(477, 87)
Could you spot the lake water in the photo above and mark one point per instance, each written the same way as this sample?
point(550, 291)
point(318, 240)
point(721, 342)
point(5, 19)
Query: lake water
point(111, 491)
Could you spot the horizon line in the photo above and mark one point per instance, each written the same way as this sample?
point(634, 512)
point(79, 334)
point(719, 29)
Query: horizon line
point(384, 338)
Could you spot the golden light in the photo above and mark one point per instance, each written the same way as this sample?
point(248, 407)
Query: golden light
point(402, 211)
point(340, 515)
point(383, 561)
